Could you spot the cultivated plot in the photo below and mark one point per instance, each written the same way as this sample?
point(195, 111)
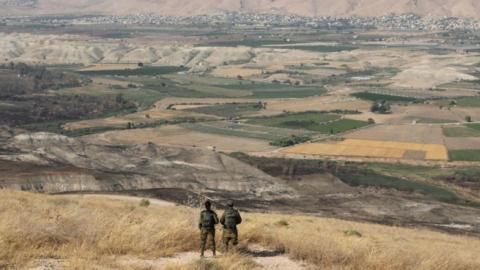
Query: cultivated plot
point(373, 149)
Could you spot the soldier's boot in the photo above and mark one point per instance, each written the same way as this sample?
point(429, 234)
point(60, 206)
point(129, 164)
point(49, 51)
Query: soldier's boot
point(202, 251)
point(225, 245)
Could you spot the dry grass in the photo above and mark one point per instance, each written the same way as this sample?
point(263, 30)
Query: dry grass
point(234, 71)
point(371, 148)
point(87, 232)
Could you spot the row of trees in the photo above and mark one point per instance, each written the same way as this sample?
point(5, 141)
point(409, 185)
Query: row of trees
point(21, 79)
point(38, 109)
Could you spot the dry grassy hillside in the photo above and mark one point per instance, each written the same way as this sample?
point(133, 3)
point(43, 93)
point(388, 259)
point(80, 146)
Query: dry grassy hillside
point(460, 8)
point(104, 233)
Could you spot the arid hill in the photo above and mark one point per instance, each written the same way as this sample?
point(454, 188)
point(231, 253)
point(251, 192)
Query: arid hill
point(85, 232)
point(52, 163)
point(459, 8)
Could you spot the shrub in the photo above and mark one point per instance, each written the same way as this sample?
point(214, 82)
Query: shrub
point(289, 141)
point(144, 203)
point(282, 223)
point(352, 233)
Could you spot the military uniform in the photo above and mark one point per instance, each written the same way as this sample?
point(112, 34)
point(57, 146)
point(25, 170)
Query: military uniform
point(208, 220)
point(230, 219)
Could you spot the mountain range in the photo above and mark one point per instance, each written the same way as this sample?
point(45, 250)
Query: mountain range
point(457, 8)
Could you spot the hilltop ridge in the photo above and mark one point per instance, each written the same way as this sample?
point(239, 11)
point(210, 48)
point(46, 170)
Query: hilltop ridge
point(457, 8)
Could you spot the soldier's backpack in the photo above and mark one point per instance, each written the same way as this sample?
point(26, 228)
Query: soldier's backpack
point(208, 219)
point(231, 219)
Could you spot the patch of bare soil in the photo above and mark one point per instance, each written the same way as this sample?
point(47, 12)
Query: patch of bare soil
point(419, 112)
point(462, 143)
point(179, 136)
point(403, 133)
point(263, 257)
point(323, 103)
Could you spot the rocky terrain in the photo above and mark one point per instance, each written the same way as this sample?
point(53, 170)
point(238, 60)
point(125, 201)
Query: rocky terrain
point(71, 49)
point(53, 163)
point(458, 8)
point(56, 164)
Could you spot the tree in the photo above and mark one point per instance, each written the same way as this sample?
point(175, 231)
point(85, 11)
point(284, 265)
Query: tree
point(468, 118)
point(382, 107)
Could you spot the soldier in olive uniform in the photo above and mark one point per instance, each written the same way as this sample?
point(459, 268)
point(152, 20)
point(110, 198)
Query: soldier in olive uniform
point(230, 219)
point(208, 220)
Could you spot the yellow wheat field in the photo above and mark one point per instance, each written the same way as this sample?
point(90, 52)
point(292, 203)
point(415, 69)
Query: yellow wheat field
point(370, 148)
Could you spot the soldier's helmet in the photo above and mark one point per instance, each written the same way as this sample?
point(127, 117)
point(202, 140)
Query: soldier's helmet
point(230, 203)
point(208, 204)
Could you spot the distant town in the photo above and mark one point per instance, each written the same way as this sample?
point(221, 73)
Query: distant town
point(405, 22)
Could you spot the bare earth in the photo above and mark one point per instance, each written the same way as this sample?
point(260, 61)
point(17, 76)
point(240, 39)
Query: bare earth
point(179, 136)
point(462, 143)
point(403, 133)
point(265, 259)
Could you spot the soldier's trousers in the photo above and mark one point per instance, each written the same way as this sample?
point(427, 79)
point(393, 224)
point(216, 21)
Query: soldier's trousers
point(207, 234)
point(230, 236)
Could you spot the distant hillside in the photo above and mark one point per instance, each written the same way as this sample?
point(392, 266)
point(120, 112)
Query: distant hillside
point(458, 8)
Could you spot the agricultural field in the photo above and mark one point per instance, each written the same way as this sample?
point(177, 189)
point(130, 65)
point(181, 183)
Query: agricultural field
point(372, 149)
point(313, 121)
point(129, 70)
point(247, 131)
point(470, 102)
point(421, 134)
point(229, 110)
point(137, 118)
point(180, 136)
point(109, 67)
point(377, 180)
point(464, 131)
point(464, 155)
point(380, 97)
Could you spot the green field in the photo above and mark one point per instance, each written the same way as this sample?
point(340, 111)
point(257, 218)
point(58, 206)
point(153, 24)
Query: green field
point(472, 85)
point(381, 97)
point(169, 88)
point(245, 130)
point(247, 42)
point(461, 132)
point(318, 48)
point(461, 102)
point(313, 121)
point(229, 110)
point(143, 71)
point(474, 126)
point(464, 155)
point(144, 98)
point(378, 180)
point(208, 86)
point(276, 90)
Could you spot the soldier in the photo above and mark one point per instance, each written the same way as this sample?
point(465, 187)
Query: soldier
point(230, 219)
point(208, 220)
